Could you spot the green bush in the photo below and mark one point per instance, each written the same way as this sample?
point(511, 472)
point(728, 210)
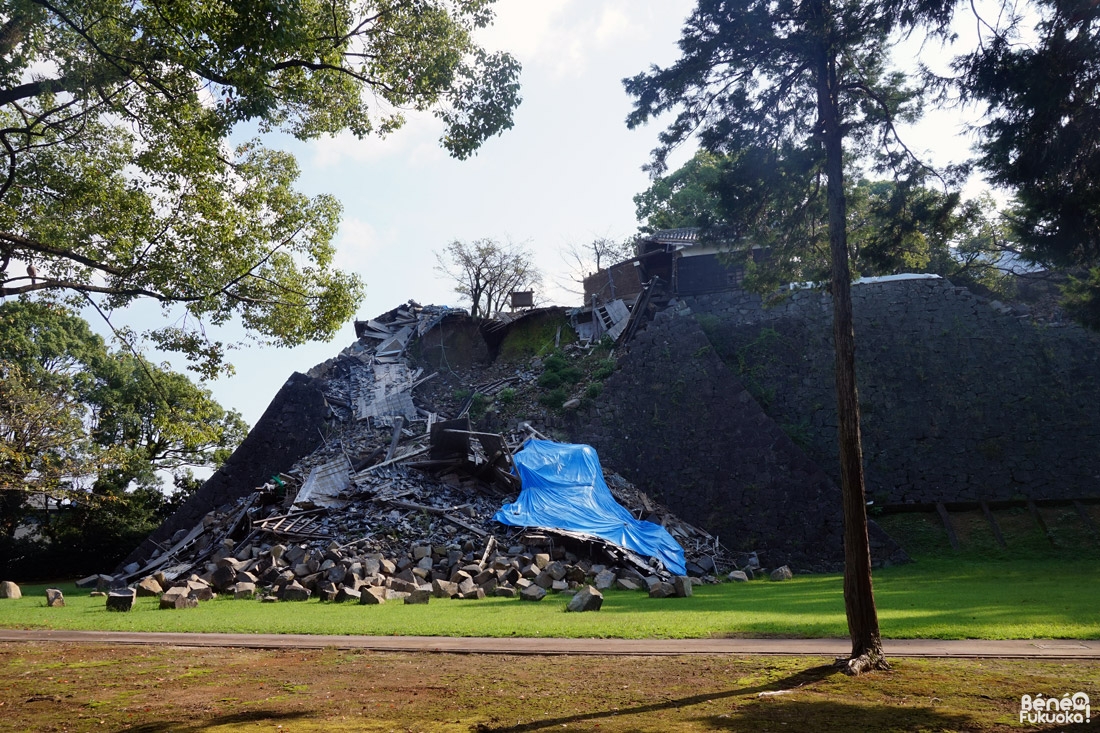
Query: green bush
point(550, 380)
point(604, 369)
point(571, 375)
point(554, 399)
point(554, 363)
point(593, 390)
point(506, 396)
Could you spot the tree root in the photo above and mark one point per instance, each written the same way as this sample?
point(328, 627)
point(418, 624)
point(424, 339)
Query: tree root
point(869, 661)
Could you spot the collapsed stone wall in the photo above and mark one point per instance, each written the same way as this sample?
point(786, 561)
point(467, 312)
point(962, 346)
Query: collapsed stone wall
point(291, 427)
point(680, 425)
point(962, 399)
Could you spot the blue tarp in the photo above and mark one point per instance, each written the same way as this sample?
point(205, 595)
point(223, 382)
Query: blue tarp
point(563, 488)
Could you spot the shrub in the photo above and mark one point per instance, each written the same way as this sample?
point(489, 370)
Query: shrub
point(604, 369)
point(555, 398)
point(550, 380)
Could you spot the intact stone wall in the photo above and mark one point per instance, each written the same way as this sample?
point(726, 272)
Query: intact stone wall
point(290, 428)
point(679, 424)
point(962, 399)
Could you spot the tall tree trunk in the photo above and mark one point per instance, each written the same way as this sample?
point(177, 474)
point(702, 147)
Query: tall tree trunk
point(859, 598)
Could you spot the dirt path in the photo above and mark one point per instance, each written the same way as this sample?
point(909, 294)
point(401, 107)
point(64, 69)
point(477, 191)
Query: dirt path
point(933, 648)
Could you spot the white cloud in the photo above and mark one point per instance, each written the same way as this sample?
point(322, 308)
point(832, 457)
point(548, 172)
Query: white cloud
point(357, 245)
point(421, 130)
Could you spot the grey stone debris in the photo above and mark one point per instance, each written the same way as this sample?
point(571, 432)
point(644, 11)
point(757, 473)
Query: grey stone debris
point(662, 590)
point(418, 597)
point(444, 589)
point(626, 584)
point(738, 576)
point(532, 593)
point(347, 594)
point(182, 602)
point(604, 579)
point(682, 584)
point(294, 592)
point(168, 598)
point(121, 599)
point(586, 599)
point(8, 589)
point(782, 573)
point(148, 587)
point(54, 598)
point(89, 582)
point(373, 596)
point(244, 590)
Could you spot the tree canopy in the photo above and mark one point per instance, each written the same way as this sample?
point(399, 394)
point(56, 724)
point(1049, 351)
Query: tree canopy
point(89, 427)
point(1036, 72)
point(893, 226)
point(116, 178)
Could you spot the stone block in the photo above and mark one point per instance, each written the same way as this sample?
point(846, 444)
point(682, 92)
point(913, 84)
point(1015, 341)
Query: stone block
point(418, 597)
point(54, 598)
point(782, 573)
point(738, 576)
point(682, 584)
point(444, 589)
point(294, 592)
point(626, 584)
point(604, 579)
point(532, 593)
point(244, 591)
point(121, 599)
point(662, 590)
point(475, 595)
point(373, 596)
point(149, 587)
point(347, 594)
point(8, 589)
point(586, 599)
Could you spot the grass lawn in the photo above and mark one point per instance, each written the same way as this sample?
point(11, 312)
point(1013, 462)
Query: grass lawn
point(943, 599)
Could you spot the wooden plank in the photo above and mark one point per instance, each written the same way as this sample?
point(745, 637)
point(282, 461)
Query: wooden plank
point(1031, 507)
point(445, 513)
point(993, 524)
point(946, 518)
point(398, 423)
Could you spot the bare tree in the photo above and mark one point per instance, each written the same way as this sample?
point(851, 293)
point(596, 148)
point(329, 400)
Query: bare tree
point(486, 271)
point(588, 259)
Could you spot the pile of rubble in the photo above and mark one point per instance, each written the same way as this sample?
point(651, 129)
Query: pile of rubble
point(398, 503)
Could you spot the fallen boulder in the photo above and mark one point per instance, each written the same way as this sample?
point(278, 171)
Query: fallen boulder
point(121, 599)
point(586, 599)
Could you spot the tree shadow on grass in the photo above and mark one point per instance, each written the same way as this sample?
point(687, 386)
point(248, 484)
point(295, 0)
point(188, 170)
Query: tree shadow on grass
point(203, 723)
point(822, 716)
point(799, 679)
point(759, 715)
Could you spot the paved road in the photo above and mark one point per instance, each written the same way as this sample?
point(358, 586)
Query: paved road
point(1013, 649)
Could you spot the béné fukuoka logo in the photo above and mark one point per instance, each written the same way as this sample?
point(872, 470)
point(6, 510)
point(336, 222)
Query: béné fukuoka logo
point(1065, 709)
